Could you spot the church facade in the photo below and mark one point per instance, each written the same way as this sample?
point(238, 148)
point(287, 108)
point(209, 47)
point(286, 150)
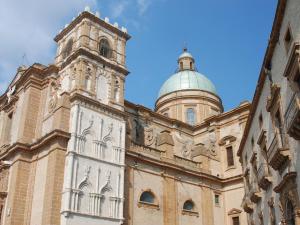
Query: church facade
point(73, 151)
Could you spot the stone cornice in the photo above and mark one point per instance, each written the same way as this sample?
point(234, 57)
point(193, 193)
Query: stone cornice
point(266, 62)
point(170, 164)
point(94, 19)
point(83, 52)
point(158, 103)
point(75, 96)
point(236, 111)
point(54, 135)
point(35, 74)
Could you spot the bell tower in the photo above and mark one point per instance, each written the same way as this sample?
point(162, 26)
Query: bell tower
point(91, 59)
point(91, 55)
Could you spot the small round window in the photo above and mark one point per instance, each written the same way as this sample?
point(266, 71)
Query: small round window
point(188, 205)
point(148, 197)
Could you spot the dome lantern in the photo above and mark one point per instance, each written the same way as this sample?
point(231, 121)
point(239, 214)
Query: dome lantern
point(186, 61)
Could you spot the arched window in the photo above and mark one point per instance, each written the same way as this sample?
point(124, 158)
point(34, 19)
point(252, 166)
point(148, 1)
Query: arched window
point(68, 48)
point(104, 48)
point(190, 116)
point(189, 205)
point(290, 214)
point(181, 65)
point(147, 197)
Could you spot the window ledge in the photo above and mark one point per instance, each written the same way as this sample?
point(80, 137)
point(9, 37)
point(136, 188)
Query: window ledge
point(190, 213)
point(230, 168)
point(217, 205)
point(148, 205)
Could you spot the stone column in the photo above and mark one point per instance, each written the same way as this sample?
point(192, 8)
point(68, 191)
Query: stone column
point(207, 206)
point(170, 201)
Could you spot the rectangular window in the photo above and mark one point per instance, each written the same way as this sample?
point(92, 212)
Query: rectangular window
point(230, 160)
point(260, 120)
point(191, 116)
point(8, 128)
point(217, 199)
point(235, 220)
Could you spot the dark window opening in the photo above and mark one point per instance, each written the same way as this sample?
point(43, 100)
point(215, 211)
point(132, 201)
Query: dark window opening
point(68, 48)
point(217, 199)
point(188, 205)
point(181, 65)
point(147, 196)
point(230, 160)
point(235, 220)
point(104, 48)
point(288, 39)
point(260, 120)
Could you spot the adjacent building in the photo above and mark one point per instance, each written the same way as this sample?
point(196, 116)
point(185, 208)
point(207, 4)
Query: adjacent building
point(73, 151)
point(269, 150)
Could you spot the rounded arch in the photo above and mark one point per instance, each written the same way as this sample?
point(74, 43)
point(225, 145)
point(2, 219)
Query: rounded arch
point(104, 47)
point(148, 196)
point(189, 205)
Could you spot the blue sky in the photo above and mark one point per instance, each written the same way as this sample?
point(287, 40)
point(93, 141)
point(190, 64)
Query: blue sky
point(227, 39)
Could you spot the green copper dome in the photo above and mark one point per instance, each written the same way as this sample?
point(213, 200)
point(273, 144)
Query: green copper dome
point(187, 79)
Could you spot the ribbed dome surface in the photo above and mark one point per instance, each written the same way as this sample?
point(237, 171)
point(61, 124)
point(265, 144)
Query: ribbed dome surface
point(185, 80)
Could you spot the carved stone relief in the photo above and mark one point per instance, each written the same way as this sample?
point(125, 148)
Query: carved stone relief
point(10, 93)
point(184, 145)
point(149, 136)
point(54, 95)
point(212, 143)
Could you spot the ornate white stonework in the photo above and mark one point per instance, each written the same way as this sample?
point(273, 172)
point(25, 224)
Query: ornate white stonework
point(94, 175)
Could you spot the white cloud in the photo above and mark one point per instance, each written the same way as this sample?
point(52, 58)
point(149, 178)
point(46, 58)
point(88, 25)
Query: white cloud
point(118, 8)
point(28, 27)
point(143, 5)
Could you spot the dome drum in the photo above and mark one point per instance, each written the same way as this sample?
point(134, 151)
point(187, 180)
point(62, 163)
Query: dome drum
point(188, 95)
